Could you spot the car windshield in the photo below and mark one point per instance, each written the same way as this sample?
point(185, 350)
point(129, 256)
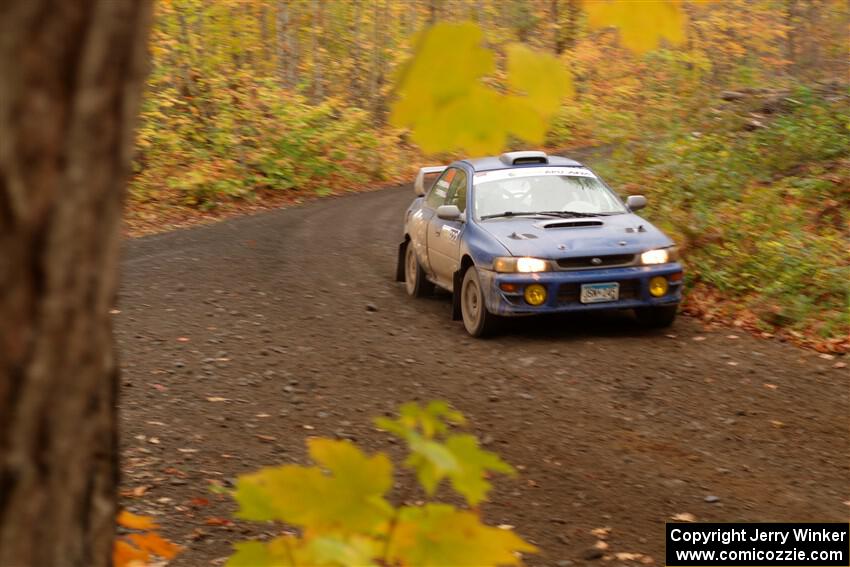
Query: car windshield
point(545, 190)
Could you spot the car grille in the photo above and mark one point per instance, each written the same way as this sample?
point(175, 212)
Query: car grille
point(569, 293)
point(580, 262)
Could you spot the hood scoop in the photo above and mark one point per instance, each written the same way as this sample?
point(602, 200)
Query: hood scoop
point(517, 236)
point(572, 224)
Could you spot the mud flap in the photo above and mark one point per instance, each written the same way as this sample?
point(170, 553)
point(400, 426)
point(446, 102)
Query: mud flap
point(457, 283)
point(399, 267)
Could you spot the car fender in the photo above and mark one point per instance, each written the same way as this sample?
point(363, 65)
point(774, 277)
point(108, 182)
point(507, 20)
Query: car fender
point(482, 248)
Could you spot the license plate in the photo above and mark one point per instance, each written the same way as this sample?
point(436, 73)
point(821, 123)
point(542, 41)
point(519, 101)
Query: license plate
point(600, 292)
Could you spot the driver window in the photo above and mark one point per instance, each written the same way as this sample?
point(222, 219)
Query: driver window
point(457, 191)
point(437, 196)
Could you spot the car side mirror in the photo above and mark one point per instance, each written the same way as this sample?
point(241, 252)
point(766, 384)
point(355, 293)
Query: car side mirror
point(449, 212)
point(419, 183)
point(636, 202)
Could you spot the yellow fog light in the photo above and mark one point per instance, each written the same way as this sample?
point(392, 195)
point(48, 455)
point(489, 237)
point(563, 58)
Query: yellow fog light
point(535, 294)
point(658, 286)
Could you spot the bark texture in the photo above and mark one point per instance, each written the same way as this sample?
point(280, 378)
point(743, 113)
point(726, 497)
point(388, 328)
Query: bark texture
point(71, 73)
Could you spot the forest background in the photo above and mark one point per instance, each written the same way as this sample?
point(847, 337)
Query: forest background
point(738, 135)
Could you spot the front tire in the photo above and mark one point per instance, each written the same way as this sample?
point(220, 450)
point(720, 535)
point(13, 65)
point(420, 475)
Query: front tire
point(656, 317)
point(476, 319)
point(415, 282)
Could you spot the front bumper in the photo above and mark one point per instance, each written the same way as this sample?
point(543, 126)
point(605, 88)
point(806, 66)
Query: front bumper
point(563, 289)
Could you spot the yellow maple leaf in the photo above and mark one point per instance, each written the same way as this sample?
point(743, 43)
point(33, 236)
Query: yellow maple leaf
point(345, 493)
point(439, 535)
point(641, 24)
point(442, 99)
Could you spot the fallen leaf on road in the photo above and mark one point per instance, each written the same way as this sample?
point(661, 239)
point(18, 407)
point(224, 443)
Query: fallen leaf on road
point(188, 450)
point(135, 522)
point(700, 338)
point(155, 544)
point(684, 517)
point(770, 386)
point(310, 427)
point(840, 365)
point(198, 501)
point(213, 521)
point(601, 533)
point(215, 399)
point(733, 337)
point(136, 492)
point(732, 363)
point(600, 545)
point(182, 339)
point(776, 423)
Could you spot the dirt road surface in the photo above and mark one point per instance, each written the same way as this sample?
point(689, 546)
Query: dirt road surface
point(240, 339)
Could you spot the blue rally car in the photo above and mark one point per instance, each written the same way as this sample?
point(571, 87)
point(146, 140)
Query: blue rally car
point(527, 233)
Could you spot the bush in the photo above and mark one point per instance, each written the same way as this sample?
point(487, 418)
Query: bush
point(762, 215)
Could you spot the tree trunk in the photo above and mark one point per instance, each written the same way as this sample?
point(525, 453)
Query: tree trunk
point(72, 74)
point(318, 87)
point(356, 77)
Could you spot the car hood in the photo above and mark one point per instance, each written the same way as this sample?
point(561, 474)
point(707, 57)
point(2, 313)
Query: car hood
point(552, 237)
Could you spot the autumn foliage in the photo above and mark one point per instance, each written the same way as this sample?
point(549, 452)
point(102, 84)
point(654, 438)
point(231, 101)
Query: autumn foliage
point(139, 546)
point(258, 103)
point(343, 514)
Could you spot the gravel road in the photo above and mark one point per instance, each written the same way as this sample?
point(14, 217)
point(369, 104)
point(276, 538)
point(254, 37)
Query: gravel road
point(240, 339)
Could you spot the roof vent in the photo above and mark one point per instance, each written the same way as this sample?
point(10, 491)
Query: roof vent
point(520, 158)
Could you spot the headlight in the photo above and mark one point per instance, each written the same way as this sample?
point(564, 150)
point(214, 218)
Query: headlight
point(659, 256)
point(521, 265)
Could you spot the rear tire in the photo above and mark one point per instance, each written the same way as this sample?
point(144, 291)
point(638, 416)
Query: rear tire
point(477, 321)
point(415, 282)
point(656, 317)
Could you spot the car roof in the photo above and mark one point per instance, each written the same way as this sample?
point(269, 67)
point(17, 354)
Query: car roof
point(497, 162)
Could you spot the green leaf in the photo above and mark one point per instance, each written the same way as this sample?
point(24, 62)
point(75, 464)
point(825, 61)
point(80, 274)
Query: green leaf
point(346, 493)
point(469, 478)
point(259, 554)
point(415, 420)
point(335, 550)
point(440, 535)
point(432, 461)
